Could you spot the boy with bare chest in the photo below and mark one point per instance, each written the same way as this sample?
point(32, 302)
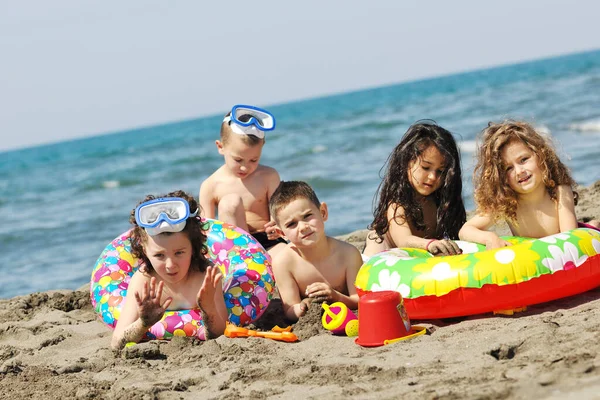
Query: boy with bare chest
point(313, 265)
point(239, 191)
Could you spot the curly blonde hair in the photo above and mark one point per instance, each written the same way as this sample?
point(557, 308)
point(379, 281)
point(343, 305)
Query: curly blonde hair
point(492, 195)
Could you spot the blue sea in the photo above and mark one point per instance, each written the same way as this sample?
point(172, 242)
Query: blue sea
point(61, 204)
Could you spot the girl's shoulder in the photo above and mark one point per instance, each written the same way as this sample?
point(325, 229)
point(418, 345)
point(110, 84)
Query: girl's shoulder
point(395, 209)
point(141, 276)
point(564, 190)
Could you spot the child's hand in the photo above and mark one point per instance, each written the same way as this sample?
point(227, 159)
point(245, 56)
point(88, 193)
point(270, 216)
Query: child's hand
point(443, 247)
point(301, 308)
point(150, 308)
point(496, 242)
point(205, 298)
point(272, 231)
point(320, 291)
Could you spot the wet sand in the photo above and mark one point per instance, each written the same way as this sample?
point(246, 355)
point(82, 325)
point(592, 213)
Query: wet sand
point(53, 346)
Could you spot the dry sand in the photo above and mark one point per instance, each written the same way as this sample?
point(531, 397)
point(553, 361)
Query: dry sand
point(53, 346)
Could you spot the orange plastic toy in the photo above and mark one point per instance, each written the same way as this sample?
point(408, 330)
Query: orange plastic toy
point(232, 331)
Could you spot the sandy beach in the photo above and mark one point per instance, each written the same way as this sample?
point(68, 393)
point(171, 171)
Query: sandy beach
point(53, 346)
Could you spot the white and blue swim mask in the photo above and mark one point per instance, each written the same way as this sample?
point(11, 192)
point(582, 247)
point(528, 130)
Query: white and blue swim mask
point(250, 120)
point(165, 214)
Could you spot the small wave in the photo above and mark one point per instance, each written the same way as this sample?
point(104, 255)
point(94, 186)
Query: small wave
point(372, 125)
point(319, 148)
point(543, 129)
point(586, 126)
point(468, 146)
point(10, 238)
point(319, 183)
point(111, 184)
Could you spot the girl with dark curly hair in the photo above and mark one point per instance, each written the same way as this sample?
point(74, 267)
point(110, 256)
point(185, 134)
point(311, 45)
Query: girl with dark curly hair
point(420, 198)
point(519, 178)
point(169, 237)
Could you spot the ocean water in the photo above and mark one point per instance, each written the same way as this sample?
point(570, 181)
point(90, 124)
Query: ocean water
point(61, 204)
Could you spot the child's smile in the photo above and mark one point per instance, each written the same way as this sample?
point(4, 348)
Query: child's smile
point(525, 179)
point(523, 174)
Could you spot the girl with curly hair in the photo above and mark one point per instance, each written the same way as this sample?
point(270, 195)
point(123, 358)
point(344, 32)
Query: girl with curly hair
point(168, 236)
point(519, 178)
point(420, 198)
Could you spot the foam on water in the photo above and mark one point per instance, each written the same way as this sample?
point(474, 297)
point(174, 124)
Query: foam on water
point(111, 184)
point(586, 126)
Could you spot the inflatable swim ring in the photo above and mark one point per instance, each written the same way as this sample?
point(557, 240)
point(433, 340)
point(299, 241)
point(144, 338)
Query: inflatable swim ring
point(530, 271)
point(248, 283)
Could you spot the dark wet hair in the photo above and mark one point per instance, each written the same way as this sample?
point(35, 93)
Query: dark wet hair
point(288, 191)
point(395, 188)
point(194, 228)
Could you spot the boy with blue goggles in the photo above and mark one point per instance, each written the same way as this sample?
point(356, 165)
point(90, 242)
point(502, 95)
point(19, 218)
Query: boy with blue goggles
point(238, 192)
point(250, 120)
point(165, 214)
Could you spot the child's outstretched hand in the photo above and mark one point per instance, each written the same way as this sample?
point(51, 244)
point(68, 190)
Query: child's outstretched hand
point(149, 304)
point(320, 291)
point(495, 242)
point(272, 231)
point(205, 299)
point(445, 247)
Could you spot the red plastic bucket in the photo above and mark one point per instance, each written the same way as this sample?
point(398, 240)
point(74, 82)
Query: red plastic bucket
point(381, 318)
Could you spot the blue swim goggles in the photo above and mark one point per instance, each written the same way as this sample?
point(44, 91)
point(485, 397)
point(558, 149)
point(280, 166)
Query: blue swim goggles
point(250, 120)
point(165, 214)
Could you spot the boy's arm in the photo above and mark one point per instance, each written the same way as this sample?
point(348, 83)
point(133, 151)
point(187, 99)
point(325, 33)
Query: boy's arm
point(354, 263)
point(273, 181)
point(293, 306)
point(475, 230)
point(207, 201)
point(566, 209)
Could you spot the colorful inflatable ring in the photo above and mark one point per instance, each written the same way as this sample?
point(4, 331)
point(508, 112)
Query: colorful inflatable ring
point(531, 271)
point(248, 283)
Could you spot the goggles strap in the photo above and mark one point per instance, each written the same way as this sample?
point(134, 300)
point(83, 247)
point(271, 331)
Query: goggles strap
point(244, 130)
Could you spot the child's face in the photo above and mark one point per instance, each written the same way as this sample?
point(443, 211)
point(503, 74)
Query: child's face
point(240, 158)
point(302, 222)
point(522, 172)
point(170, 255)
point(424, 173)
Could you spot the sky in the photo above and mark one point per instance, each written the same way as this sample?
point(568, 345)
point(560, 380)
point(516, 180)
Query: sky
point(72, 68)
